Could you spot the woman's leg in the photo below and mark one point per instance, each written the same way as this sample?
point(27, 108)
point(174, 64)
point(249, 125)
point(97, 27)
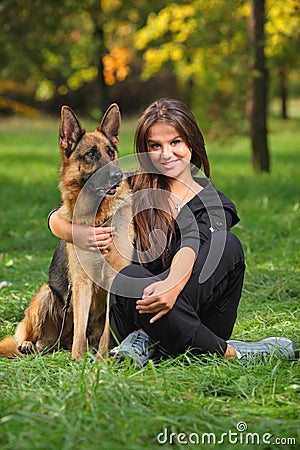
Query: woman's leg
point(127, 288)
point(216, 300)
point(204, 313)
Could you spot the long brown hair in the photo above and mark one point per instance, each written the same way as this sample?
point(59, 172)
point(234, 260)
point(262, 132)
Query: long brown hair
point(151, 207)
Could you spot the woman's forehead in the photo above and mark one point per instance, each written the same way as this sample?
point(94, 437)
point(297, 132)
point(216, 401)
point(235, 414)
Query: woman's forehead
point(162, 130)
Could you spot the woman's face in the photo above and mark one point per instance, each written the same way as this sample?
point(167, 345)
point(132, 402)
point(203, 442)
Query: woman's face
point(169, 153)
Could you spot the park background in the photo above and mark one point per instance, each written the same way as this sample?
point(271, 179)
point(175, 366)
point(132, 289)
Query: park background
point(236, 64)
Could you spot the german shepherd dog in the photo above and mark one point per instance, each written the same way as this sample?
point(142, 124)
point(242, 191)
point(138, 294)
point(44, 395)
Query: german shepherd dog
point(93, 192)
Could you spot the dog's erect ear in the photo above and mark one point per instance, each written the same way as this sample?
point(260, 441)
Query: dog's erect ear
point(110, 124)
point(70, 131)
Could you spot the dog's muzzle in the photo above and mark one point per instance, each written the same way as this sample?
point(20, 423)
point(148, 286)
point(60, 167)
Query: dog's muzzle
point(106, 180)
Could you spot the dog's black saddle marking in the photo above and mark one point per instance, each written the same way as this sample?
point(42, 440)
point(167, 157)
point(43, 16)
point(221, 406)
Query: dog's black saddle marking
point(58, 274)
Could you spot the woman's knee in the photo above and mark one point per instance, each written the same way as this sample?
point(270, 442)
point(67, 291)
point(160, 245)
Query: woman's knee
point(218, 256)
point(131, 281)
point(133, 270)
point(234, 246)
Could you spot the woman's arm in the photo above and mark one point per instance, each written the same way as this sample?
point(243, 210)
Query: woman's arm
point(161, 296)
point(84, 236)
point(60, 227)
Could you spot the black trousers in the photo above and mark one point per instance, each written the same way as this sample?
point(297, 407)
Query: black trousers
point(205, 311)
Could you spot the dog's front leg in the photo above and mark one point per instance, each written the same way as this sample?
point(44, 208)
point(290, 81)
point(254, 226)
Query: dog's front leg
point(81, 299)
point(105, 338)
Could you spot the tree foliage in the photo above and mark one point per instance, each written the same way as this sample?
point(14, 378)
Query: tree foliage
point(49, 47)
point(44, 45)
point(206, 45)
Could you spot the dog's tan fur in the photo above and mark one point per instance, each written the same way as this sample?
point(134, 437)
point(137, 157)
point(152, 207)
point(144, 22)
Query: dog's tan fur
point(89, 274)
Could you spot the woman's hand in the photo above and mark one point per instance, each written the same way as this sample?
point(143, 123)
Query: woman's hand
point(159, 298)
point(92, 238)
point(84, 236)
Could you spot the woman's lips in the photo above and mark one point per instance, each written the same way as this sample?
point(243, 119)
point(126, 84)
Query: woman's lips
point(169, 164)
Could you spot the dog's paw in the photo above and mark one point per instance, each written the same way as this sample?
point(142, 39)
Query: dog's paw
point(27, 347)
point(79, 350)
point(102, 351)
point(77, 357)
point(45, 345)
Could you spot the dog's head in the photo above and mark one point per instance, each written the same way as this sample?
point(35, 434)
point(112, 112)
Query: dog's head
point(91, 156)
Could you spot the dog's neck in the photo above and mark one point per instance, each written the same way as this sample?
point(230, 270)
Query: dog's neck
point(86, 209)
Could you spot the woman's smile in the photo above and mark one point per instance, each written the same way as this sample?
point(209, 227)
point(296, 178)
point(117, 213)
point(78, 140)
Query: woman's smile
point(168, 151)
point(170, 164)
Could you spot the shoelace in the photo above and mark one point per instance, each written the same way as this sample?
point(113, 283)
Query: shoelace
point(255, 354)
point(139, 344)
point(268, 352)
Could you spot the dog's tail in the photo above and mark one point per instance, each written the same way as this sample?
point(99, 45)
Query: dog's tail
point(8, 348)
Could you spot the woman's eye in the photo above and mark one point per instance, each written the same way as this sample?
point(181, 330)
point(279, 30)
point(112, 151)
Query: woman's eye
point(154, 147)
point(175, 142)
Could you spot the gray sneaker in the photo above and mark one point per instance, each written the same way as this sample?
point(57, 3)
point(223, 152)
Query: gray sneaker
point(270, 346)
point(138, 346)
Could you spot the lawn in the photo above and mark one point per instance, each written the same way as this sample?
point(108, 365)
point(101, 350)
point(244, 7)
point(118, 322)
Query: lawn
point(51, 402)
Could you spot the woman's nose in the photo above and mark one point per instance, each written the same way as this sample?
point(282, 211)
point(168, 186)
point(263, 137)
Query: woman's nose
point(166, 151)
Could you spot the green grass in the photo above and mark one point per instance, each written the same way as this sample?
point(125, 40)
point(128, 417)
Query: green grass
point(52, 402)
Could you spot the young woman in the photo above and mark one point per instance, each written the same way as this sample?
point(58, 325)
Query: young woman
point(183, 289)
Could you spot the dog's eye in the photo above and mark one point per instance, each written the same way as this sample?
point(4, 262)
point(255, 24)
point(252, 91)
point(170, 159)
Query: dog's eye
point(91, 153)
point(111, 153)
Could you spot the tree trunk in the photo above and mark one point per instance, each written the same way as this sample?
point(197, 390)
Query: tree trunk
point(257, 102)
point(102, 50)
point(283, 93)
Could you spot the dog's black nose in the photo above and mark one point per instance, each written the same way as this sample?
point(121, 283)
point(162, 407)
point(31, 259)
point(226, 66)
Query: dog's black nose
point(117, 176)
